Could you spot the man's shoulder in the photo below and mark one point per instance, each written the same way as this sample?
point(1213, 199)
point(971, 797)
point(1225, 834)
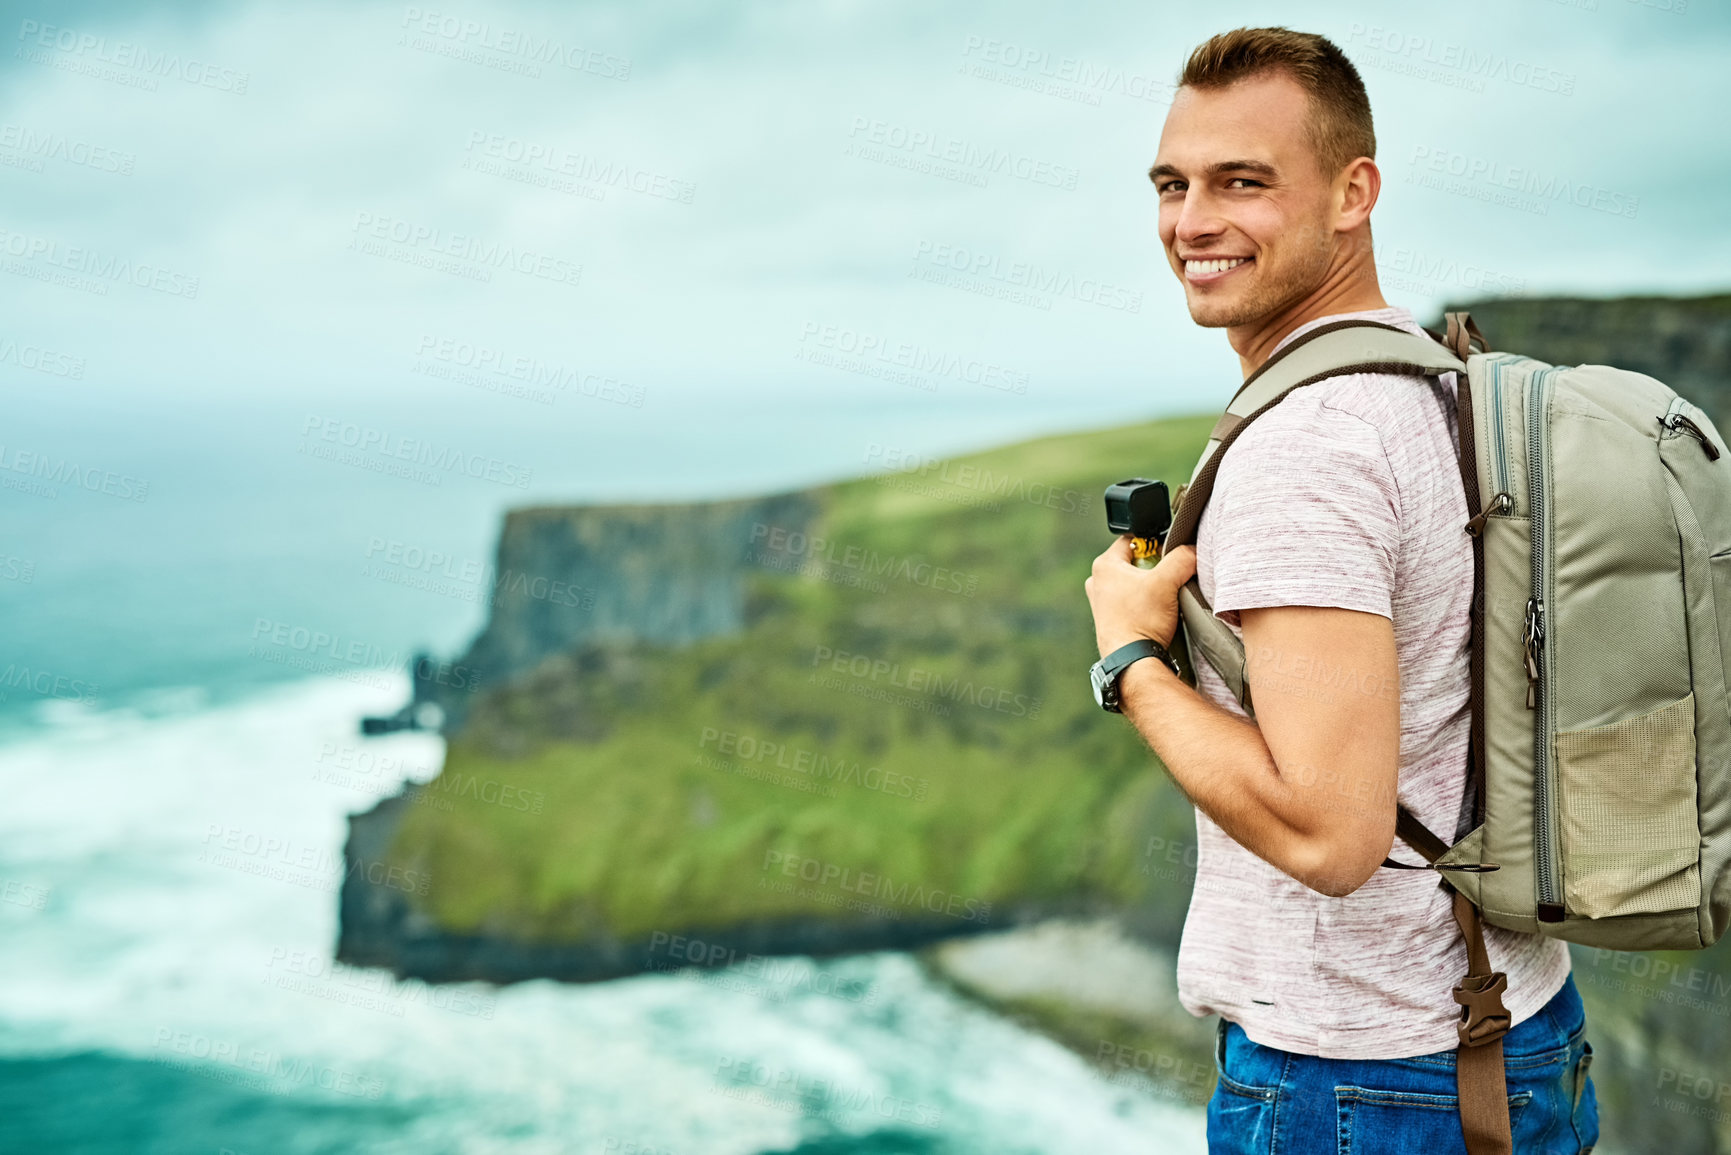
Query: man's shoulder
point(1332, 435)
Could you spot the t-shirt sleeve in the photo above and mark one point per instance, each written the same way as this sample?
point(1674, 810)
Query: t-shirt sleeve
point(1309, 516)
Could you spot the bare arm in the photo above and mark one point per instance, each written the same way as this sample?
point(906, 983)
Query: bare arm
point(1309, 785)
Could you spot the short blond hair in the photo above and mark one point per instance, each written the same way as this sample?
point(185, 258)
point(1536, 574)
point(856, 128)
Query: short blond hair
point(1340, 124)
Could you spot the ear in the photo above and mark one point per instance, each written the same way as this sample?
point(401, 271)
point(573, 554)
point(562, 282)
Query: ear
point(1355, 193)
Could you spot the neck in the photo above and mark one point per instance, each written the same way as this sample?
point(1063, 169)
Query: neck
point(1349, 287)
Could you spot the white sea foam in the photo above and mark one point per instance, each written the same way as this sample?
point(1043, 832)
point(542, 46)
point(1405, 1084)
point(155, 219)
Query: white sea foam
point(154, 944)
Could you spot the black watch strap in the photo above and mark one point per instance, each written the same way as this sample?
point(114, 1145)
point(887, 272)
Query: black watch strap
point(1115, 663)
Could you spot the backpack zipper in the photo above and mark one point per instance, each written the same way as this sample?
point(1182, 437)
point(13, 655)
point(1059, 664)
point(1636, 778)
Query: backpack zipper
point(1499, 458)
point(1550, 907)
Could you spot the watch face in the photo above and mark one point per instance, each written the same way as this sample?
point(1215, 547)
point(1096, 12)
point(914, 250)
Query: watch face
point(1097, 679)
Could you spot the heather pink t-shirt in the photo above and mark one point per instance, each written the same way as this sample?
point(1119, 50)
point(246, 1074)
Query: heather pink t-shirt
point(1348, 493)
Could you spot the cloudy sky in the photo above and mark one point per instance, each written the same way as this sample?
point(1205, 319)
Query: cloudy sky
point(665, 224)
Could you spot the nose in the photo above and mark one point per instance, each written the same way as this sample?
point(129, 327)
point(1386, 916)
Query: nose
point(1198, 219)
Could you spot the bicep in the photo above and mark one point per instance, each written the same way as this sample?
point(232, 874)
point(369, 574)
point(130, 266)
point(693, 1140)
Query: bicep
point(1325, 686)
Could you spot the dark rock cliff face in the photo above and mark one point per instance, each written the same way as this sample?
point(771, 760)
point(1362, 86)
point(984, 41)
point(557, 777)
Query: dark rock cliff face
point(569, 576)
point(1683, 341)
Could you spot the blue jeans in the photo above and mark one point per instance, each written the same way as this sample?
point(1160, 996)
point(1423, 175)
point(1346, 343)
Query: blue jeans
point(1271, 1102)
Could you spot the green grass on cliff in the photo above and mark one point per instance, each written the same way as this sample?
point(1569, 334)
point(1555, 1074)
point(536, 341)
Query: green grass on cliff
point(954, 764)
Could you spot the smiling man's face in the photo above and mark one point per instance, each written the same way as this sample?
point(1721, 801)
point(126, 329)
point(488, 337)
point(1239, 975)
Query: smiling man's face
point(1246, 212)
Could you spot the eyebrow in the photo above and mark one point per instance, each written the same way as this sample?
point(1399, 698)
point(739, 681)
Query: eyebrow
point(1225, 166)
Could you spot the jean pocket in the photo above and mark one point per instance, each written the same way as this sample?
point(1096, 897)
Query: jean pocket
point(1240, 1115)
point(1240, 1119)
point(1374, 1122)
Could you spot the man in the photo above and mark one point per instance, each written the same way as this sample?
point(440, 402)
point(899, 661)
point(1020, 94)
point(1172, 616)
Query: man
point(1333, 545)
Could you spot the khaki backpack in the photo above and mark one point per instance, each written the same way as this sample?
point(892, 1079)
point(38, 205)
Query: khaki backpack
point(1598, 799)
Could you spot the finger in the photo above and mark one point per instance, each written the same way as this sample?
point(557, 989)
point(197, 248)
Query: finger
point(1178, 566)
point(1115, 554)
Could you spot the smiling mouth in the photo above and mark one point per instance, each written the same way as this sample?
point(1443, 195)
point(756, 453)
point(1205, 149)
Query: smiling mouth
point(1203, 271)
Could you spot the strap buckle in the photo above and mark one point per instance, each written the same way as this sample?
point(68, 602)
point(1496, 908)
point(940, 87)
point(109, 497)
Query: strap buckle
point(1484, 1019)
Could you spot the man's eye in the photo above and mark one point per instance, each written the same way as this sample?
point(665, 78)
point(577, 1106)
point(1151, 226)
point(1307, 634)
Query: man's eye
point(1169, 186)
point(1245, 181)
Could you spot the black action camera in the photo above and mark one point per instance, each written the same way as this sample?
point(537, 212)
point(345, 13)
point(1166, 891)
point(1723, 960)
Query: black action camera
point(1142, 509)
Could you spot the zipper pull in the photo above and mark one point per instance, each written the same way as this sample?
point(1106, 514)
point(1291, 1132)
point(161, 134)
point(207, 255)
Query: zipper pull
point(1695, 430)
point(1532, 630)
point(1501, 503)
point(1679, 422)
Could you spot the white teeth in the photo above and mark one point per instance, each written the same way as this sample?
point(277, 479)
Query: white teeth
point(1201, 267)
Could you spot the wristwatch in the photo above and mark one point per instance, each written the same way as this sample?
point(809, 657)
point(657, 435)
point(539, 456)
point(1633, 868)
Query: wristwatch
point(1104, 673)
